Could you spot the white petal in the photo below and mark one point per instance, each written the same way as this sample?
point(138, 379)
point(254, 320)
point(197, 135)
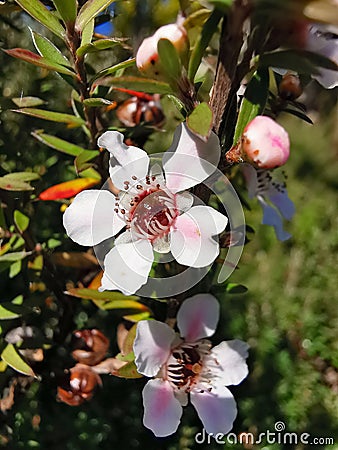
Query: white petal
point(127, 266)
point(184, 201)
point(189, 160)
point(91, 218)
point(152, 346)
point(191, 238)
point(228, 364)
point(162, 411)
point(126, 162)
point(198, 316)
point(216, 409)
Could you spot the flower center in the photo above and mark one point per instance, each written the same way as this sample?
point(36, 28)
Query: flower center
point(185, 364)
point(152, 214)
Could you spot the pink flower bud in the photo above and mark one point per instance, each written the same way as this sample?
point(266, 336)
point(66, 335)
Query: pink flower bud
point(147, 59)
point(265, 144)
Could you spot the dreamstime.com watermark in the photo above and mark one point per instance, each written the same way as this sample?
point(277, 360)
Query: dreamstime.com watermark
point(278, 436)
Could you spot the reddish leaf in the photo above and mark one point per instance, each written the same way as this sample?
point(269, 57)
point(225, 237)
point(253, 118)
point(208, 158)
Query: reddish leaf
point(68, 189)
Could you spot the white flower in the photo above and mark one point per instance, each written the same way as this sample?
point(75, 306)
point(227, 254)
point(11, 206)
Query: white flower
point(270, 192)
point(150, 207)
point(188, 365)
point(323, 39)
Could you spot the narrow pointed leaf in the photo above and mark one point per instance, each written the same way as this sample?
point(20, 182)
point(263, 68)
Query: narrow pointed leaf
point(14, 185)
point(66, 9)
point(97, 46)
point(92, 294)
point(96, 102)
point(138, 84)
point(87, 33)
point(38, 60)
point(67, 189)
point(169, 58)
point(47, 49)
point(26, 102)
point(200, 120)
point(14, 360)
point(58, 144)
point(38, 10)
point(81, 161)
point(113, 69)
point(90, 10)
point(21, 176)
point(14, 256)
point(52, 116)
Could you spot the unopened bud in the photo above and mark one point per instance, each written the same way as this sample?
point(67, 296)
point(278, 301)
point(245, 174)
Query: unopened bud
point(264, 143)
point(90, 346)
point(147, 58)
point(290, 87)
point(79, 387)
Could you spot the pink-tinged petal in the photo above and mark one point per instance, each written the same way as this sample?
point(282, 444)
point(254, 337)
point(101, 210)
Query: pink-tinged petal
point(127, 266)
point(152, 346)
point(189, 160)
point(162, 411)
point(227, 362)
point(191, 238)
point(91, 218)
point(198, 316)
point(126, 161)
point(216, 409)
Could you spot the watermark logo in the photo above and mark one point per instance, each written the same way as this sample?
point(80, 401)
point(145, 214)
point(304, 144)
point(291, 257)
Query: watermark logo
point(278, 436)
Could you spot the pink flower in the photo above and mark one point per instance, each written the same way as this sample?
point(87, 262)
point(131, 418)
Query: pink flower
point(147, 54)
point(151, 207)
point(273, 198)
point(264, 143)
point(187, 365)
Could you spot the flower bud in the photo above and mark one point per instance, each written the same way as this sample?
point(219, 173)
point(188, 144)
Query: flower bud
point(290, 87)
point(264, 143)
point(147, 58)
point(79, 386)
point(90, 346)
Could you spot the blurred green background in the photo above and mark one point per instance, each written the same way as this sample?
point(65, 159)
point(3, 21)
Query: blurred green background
point(289, 315)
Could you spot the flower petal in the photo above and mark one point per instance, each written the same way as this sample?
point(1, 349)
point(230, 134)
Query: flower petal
point(282, 201)
point(126, 161)
point(216, 409)
point(152, 346)
point(198, 316)
point(227, 361)
point(127, 266)
point(189, 160)
point(91, 218)
point(184, 201)
point(162, 411)
point(273, 218)
point(191, 238)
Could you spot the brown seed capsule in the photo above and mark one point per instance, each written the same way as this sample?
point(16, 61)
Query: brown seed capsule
point(290, 87)
point(136, 110)
point(79, 387)
point(90, 346)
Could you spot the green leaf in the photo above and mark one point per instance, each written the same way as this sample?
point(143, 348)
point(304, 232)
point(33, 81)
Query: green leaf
point(87, 33)
point(21, 221)
point(38, 10)
point(128, 343)
point(254, 101)
point(301, 61)
point(129, 371)
point(93, 294)
point(47, 49)
point(15, 269)
point(113, 69)
point(21, 176)
point(97, 46)
point(37, 60)
point(169, 58)
point(95, 102)
point(82, 159)
point(14, 360)
point(138, 316)
point(58, 144)
point(200, 121)
point(67, 9)
point(138, 84)
point(89, 11)
point(69, 119)
point(25, 102)
point(208, 30)
point(14, 256)
point(234, 288)
point(14, 185)
point(8, 311)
